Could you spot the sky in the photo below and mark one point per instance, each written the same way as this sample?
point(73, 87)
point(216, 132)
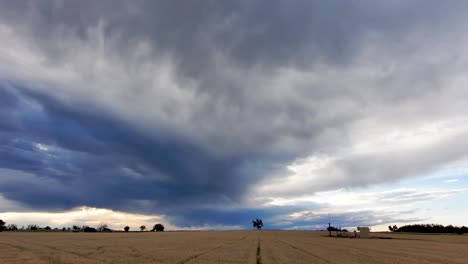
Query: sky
point(208, 114)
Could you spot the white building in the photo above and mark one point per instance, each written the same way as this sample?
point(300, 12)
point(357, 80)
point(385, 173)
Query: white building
point(364, 231)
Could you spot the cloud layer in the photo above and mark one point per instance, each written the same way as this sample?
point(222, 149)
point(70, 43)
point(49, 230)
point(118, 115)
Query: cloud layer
point(186, 109)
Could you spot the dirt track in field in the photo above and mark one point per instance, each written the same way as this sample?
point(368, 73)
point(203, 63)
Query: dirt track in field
point(257, 247)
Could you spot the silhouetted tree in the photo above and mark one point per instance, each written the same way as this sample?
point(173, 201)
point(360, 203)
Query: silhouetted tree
point(332, 228)
point(430, 228)
point(88, 229)
point(158, 228)
point(2, 225)
point(32, 227)
point(257, 223)
point(12, 227)
point(47, 228)
point(126, 228)
point(103, 228)
point(76, 228)
point(390, 228)
point(142, 228)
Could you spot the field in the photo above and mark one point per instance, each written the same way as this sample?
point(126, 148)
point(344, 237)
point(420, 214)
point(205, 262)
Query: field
point(228, 247)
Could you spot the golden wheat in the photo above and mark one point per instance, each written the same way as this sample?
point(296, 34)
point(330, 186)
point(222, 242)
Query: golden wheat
point(228, 247)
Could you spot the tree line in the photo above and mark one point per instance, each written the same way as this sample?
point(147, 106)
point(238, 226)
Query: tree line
point(75, 228)
point(429, 228)
point(257, 223)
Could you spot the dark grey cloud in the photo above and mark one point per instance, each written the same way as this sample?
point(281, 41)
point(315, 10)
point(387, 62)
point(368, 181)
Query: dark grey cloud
point(176, 106)
point(266, 32)
point(93, 157)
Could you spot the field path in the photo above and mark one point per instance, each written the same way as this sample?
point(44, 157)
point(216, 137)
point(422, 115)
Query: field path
point(276, 251)
point(243, 250)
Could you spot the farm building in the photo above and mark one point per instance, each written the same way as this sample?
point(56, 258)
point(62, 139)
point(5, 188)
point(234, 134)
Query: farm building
point(364, 231)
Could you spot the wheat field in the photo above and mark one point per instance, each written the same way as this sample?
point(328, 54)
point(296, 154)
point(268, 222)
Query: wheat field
point(228, 247)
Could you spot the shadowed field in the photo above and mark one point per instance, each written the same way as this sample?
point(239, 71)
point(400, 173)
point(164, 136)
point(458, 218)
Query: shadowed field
point(228, 247)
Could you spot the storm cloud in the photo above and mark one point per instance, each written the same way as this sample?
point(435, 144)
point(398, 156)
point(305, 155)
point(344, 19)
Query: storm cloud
point(188, 108)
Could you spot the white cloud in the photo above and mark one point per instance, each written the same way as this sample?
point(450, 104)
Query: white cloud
point(342, 200)
point(451, 180)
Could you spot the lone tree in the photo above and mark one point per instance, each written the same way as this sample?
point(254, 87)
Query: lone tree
point(142, 228)
point(126, 228)
point(2, 225)
point(332, 228)
point(158, 228)
point(258, 223)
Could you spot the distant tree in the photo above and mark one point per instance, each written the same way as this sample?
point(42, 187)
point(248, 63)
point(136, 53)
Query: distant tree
point(430, 228)
point(257, 223)
point(32, 227)
point(76, 228)
point(463, 230)
point(103, 228)
point(126, 228)
point(64, 229)
point(331, 228)
point(390, 228)
point(47, 228)
point(88, 229)
point(2, 225)
point(12, 227)
point(158, 228)
point(142, 228)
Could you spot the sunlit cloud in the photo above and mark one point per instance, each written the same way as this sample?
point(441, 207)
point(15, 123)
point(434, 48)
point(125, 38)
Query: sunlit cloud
point(81, 216)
